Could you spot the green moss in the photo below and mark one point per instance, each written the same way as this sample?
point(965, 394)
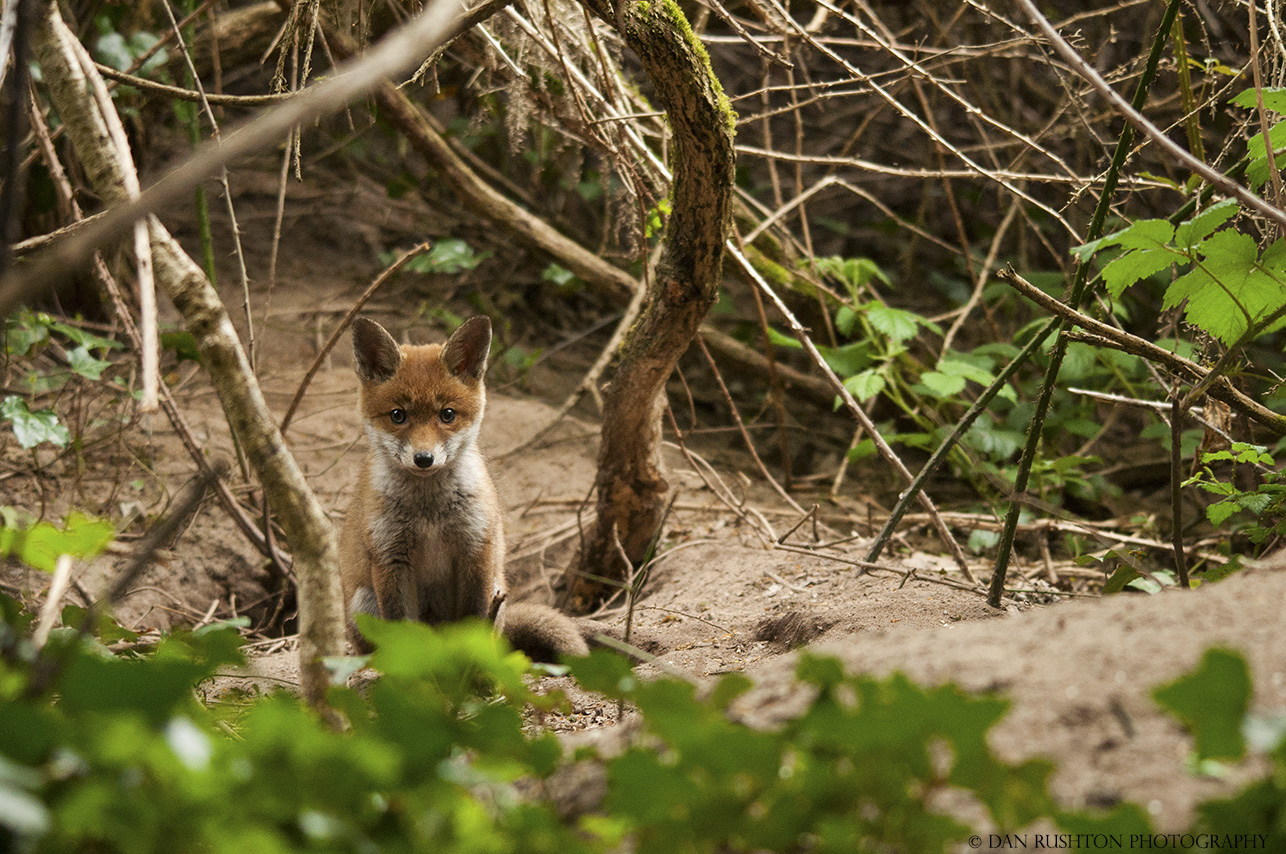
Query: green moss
point(684, 28)
point(775, 273)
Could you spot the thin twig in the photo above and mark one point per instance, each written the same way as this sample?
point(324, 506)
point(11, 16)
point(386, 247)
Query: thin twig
point(741, 428)
point(371, 289)
point(46, 668)
point(868, 425)
point(1158, 137)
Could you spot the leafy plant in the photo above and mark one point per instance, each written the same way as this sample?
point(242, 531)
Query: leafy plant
point(34, 428)
point(446, 256)
point(38, 544)
point(1257, 513)
point(856, 771)
point(1231, 289)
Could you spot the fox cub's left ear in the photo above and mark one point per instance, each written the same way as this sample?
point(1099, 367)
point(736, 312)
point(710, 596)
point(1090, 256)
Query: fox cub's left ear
point(465, 352)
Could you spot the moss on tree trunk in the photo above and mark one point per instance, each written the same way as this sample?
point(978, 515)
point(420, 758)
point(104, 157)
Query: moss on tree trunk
point(631, 486)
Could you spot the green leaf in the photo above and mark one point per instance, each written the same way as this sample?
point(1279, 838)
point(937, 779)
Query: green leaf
point(1136, 265)
point(846, 320)
point(81, 362)
point(560, 277)
point(1143, 234)
point(1193, 231)
point(854, 273)
point(1255, 502)
point(606, 672)
point(1231, 288)
point(88, 340)
point(942, 385)
point(112, 49)
point(861, 451)
point(971, 368)
point(183, 345)
point(1212, 702)
point(848, 359)
point(24, 331)
point(447, 256)
point(780, 340)
point(1274, 99)
point(39, 545)
point(1116, 582)
point(897, 324)
point(866, 384)
point(32, 428)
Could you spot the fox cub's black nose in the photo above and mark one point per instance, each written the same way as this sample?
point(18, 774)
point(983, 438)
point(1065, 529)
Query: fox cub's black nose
point(423, 459)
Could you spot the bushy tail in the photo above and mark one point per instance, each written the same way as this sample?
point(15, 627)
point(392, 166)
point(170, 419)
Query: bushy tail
point(541, 632)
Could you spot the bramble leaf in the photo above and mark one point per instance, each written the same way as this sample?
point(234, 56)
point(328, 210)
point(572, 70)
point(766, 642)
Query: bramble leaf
point(1143, 234)
point(1193, 231)
point(1232, 288)
point(865, 385)
point(942, 385)
point(897, 324)
point(1274, 99)
point(1134, 266)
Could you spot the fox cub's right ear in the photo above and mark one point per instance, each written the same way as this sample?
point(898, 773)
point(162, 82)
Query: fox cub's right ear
point(376, 353)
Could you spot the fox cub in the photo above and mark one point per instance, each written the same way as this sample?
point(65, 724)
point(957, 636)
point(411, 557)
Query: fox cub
point(424, 538)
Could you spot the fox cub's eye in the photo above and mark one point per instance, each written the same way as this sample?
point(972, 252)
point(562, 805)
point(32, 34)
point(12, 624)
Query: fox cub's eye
point(397, 416)
point(447, 415)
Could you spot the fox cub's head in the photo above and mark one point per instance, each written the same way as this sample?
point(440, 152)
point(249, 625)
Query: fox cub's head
point(422, 404)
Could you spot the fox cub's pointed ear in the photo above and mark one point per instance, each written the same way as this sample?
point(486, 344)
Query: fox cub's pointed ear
point(465, 352)
point(376, 353)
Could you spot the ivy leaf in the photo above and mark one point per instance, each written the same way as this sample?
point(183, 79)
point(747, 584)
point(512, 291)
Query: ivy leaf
point(32, 428)
point(896, 323)
point(1212, 701)
point(80, 361)
point(24, 331)
point(88, 340)
point(112, 49)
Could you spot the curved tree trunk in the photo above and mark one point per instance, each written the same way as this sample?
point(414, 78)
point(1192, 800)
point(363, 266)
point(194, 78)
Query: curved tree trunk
point(631, 486)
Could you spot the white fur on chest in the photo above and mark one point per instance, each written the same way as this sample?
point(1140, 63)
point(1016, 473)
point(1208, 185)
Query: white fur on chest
point(432, 522)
